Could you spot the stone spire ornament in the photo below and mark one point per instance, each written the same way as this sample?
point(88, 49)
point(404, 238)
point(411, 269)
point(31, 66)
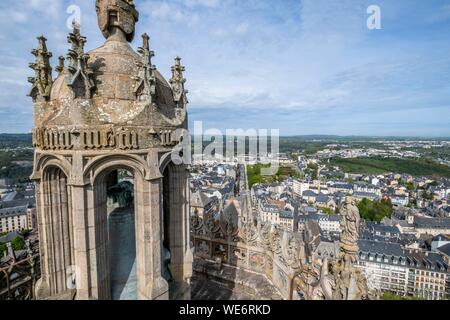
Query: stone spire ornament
point(177, 82)
point(146, 80)
point(60, 67)
point(79, 77)
point(42, 81)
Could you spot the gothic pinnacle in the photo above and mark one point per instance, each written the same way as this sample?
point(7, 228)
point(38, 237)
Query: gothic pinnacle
point(177, 82)
point(42, 81)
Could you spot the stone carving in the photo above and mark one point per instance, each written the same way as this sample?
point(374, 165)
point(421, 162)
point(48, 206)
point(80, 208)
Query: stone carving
point(313, 278)
point(177, 82)
point(79, 77)
point(120, 14)
point(166, 138)
point(127, 139)
point(122, 138)
point(96, 139)
point(249, 233)
point(291, 251)
point(348, 282)
point(42, 81)
point(220, 252)
point(146, 80)
point(203, 248)
point(60, 67)
point(350, 226)
point(52, 139)
point(315, 282)
point(257, 261)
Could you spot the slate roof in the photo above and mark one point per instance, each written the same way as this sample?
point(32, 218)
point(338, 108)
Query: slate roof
point(426, 261)
point(369, 195)
point(322, 198)
point(12, 212)
point(17, 203)
point(13, 196)
point(445, 249)
point(382, 248)
point(346, 186)
point(309, 193)
point(385, 229)
point(432, 223)
point(441, 237)
point(286, 214)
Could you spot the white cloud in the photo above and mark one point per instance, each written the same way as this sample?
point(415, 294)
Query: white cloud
point(202, 3)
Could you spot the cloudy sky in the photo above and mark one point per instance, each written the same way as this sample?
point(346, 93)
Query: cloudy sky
point(302, 66)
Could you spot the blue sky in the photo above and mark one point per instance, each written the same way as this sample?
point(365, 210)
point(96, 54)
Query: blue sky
point(301, 66)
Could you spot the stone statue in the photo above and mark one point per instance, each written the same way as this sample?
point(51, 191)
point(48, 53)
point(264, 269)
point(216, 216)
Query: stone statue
point(350, 225)
point(117, 16)
point(348, 282)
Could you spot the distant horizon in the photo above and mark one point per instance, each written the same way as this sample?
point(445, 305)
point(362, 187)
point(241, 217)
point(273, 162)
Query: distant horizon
point(318, 136)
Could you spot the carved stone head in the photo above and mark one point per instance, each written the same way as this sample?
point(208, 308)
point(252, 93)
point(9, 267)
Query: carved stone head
point(121, 14)
point(349, 200)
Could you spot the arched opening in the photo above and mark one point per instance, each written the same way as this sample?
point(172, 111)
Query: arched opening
point(114, 193)
point(58, 230)
point(122, 235)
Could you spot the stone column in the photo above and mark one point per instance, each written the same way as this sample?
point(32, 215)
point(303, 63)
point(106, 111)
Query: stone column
point(42, 289)
point(181, 255)
point(150, 283)
point(82, 264)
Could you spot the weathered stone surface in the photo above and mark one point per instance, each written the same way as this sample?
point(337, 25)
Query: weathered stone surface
point(108, 109)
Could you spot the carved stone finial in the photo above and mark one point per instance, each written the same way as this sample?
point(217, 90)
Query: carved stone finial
point(177, 82)
point(79, 76)
point(145, 88)
point(114, 15)
point(60, 67)
point(42, 81)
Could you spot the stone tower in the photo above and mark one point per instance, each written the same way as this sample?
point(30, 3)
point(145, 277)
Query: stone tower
point(109, 110)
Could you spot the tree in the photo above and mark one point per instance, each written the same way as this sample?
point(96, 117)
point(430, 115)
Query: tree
point(374, 210)
point(393, 296)
point(327, 211)
point(18, 243)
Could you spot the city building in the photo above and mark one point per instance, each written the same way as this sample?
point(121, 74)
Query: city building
point(384, 265)
point(390, 268)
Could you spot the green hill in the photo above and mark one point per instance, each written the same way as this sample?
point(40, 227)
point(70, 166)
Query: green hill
point(420, 167)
